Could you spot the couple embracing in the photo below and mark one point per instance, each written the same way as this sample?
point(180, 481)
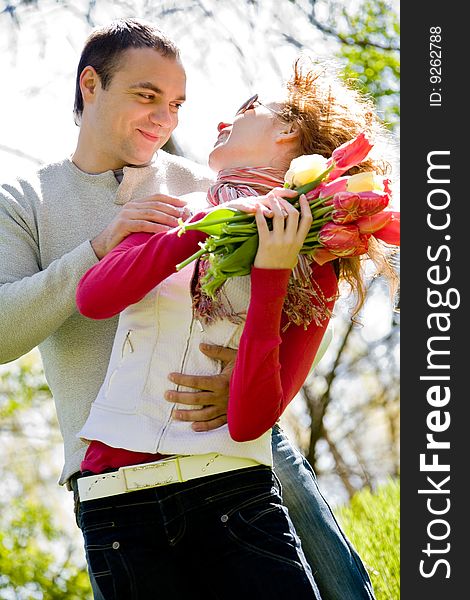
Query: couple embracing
point(169, 400)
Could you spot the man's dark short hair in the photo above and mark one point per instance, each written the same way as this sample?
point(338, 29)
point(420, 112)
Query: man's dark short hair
point(104, 48)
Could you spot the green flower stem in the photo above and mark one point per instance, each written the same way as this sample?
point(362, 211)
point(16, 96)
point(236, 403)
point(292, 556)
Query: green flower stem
point(240, 229)
point(315, 204)
point(311, 243)
point(322, 211)
point(231, 240)
point(309, 247)
point(322, 221)
point(315, 228)
point(236, 218)
point(308, 187)
point(313, 233)
point(189, 260)
point(319, 202)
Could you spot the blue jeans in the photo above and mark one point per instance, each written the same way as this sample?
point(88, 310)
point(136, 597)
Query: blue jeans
point(223, 537)
point(336, 566)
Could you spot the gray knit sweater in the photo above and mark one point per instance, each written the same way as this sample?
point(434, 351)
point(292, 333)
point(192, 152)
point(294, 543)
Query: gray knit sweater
point(46, 224)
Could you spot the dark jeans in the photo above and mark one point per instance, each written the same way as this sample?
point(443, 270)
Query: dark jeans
point(222, 537)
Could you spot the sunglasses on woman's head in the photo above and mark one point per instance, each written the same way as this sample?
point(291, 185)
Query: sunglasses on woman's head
point(251, 103)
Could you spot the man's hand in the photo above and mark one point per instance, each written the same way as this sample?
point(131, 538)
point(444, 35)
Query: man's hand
point(212, 391)
point(153, 214)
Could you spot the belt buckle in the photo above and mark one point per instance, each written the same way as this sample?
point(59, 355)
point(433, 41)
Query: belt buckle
point(164, 472)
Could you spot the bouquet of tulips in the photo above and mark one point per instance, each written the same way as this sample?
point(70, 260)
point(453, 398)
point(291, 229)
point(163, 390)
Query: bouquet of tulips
point(346, 210)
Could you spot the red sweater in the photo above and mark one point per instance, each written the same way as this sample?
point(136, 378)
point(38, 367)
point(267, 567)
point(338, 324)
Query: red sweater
point(271, 365)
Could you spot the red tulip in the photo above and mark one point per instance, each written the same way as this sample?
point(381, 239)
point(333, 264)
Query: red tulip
point(349, 155)
point(329, 188)
point(390, 233)
point(322, 256)
point(371, 224)
point(350, 206)
point(357, 251)
point(343, 240)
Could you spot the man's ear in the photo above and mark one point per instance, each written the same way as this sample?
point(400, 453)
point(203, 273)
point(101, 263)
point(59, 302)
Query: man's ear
point(89, 83)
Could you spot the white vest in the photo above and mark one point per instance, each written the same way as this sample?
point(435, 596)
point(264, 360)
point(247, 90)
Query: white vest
point(155, 337)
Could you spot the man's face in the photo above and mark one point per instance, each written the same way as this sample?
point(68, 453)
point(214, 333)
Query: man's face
point(134, 117)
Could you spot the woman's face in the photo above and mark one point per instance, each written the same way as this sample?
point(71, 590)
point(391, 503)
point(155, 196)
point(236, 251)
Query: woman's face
point(250, 141)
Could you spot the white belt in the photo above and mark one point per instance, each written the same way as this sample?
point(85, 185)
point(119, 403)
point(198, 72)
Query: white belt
point(163, 472)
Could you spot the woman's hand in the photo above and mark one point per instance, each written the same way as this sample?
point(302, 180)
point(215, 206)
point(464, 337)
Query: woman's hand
point(279, 248)
point(250, 204)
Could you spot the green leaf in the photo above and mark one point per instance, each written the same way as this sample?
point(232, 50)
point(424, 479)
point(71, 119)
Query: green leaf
point(232, 264)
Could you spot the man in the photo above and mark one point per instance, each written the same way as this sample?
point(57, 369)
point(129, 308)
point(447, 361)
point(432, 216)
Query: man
point(59, 222)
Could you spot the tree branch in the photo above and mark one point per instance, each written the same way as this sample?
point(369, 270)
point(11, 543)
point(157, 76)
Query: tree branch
point(341, 466)
point(347, 39)
point(21, 154)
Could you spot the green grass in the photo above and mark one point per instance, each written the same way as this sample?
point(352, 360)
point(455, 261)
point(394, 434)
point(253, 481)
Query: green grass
point(372, 523)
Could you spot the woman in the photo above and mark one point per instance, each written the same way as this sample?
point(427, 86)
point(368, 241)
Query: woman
point(228, 507)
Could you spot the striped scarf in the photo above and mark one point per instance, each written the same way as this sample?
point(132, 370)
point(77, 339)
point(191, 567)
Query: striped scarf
point(304, 301)
point(240, 183)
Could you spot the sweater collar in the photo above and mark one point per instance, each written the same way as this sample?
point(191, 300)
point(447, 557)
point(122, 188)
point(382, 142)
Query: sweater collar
point(132, 177)
point(105, 178)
